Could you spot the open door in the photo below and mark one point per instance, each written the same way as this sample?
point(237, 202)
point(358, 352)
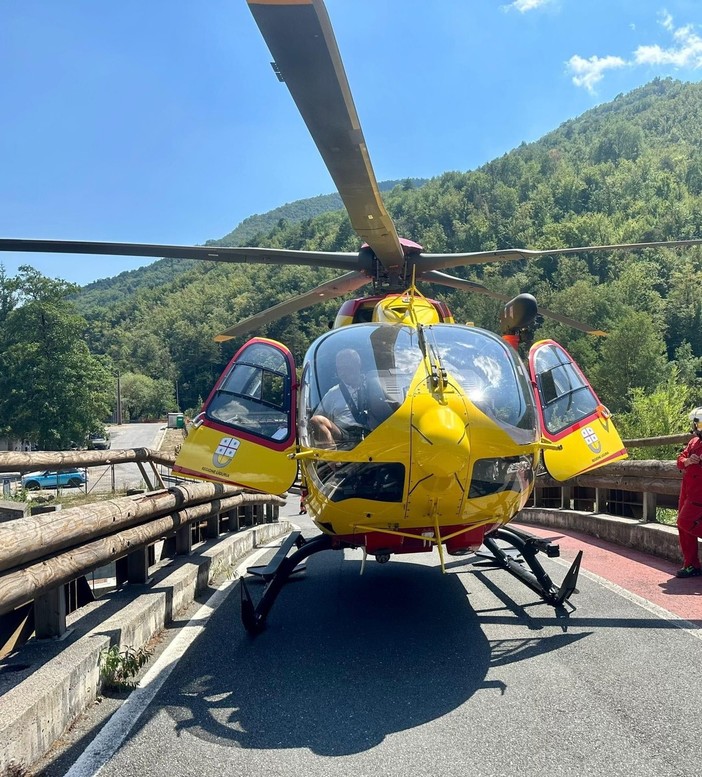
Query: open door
point(571, 415)
point(247, 425)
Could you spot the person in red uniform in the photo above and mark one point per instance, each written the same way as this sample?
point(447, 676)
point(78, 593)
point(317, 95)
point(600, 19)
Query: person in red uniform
point(690, 503)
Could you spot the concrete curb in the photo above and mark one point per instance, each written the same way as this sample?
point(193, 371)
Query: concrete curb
point(653, 538)
point(66, 680)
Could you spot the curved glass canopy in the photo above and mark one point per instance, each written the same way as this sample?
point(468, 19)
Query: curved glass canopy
point(354, 378)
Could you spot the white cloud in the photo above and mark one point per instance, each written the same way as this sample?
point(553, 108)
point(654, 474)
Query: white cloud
point(588, 72)
point(685, 52)
point(526, 5)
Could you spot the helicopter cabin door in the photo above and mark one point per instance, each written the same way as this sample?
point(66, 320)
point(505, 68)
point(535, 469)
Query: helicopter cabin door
point(246, 428)
point(571, 415)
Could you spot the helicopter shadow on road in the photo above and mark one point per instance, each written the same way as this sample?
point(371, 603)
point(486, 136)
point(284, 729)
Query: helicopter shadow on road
point(345, 661)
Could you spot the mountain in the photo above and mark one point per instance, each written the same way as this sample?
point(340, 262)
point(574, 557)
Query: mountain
point(626, 171)
point(293, 212)
point(108, 290)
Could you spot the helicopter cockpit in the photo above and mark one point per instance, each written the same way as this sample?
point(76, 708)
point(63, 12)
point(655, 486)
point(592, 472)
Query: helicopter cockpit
point(355, 378)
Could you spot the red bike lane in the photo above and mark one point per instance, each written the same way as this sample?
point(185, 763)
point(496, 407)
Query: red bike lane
point(649, 577)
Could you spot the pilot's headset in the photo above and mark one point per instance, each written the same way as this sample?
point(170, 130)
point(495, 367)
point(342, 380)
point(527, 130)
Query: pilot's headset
point(696, 421)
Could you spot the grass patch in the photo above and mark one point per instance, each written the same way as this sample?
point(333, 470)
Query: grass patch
point(666, 515)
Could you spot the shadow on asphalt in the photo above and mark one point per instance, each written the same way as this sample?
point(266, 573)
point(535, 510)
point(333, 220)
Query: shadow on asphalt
point(345, 661)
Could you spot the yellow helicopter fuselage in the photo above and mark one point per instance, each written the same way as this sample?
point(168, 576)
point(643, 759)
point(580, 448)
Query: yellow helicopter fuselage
point(436, 435)
point(443, 445)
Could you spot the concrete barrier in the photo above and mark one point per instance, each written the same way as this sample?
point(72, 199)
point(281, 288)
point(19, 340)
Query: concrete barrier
point(653, 538)
point(46, 686)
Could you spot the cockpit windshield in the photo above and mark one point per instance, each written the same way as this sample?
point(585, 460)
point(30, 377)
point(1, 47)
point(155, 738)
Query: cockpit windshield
point(354, 378)
point(488, 371)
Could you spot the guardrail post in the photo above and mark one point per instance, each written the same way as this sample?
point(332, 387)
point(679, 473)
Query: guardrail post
point(233, 516)
point(184, 540)
point(121, 571)
point(566, 496)
point(169, 547)
point(138, 566)
point(212, 529)
point(650, 502)
point(600, 499)
point(50, 613)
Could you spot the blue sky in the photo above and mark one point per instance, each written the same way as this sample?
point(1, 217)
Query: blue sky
point(163, 122)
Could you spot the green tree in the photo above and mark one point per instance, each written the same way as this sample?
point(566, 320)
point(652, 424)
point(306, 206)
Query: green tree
point(632, 356)
point(52, 390)
point(146, 398)
point(661, 412)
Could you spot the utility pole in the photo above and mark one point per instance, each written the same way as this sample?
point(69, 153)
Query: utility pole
point(119, 402)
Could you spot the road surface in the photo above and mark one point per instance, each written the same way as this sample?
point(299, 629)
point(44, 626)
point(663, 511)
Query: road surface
point(404, 671)
point(125, 476)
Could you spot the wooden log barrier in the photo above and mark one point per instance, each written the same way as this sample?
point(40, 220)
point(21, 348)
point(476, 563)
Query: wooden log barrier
point(34, 536)
point(18, 586)
point(11, 461)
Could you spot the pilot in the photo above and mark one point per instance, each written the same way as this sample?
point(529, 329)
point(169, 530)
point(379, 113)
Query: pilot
point(344, 414)
point(690, 502)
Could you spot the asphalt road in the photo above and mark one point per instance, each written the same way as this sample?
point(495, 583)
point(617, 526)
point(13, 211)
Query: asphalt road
point(404, 671)
point(125, 476)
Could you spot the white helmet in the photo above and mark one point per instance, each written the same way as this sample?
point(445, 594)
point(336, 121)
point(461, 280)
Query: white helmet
point(696, 418)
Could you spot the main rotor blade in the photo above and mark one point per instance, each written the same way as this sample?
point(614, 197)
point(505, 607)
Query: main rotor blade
point(301, 40)
point(334, 288)
point(434, 276)
point(443, 261)
point(338, 261)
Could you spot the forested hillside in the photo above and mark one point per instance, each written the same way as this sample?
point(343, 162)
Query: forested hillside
point(256, 227)
point(627, 171)
point(251, 230)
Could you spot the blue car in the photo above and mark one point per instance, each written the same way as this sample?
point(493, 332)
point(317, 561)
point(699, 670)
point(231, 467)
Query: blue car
point(73, 478)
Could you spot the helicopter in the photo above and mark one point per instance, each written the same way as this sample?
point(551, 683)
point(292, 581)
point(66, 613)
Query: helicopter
point(408, 431)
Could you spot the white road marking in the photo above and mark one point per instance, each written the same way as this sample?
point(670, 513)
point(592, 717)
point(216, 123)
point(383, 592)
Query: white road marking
point(660, 612)
point(115, 731)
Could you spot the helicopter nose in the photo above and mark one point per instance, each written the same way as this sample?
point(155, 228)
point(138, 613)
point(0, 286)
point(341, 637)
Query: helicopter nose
point(442, 443)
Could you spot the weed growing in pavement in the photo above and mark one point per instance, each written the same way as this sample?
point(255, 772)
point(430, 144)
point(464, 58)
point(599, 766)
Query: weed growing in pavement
point(14, 769)
point(117, 667)
point(222, 570)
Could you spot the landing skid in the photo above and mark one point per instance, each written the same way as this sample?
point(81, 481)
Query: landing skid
point(535, 577)
point(254, 617)
point(268, 571)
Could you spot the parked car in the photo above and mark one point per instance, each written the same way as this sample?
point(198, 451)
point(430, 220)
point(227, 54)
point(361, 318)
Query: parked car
point(73, 478)
point(99, 442)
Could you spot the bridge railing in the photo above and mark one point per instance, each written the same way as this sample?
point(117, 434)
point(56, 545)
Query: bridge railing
point(629, 488)
point(44, 559)
point(149, 467)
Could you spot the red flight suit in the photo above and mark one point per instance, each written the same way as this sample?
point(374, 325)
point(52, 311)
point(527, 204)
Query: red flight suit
point(690, 504)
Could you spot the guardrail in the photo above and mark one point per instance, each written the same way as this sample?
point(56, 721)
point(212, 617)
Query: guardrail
point(13, 464)
point(629, 488)
point(44, 558)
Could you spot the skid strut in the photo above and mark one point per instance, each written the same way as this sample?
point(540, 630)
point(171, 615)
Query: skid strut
point(254, 617)
point(536, 576)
